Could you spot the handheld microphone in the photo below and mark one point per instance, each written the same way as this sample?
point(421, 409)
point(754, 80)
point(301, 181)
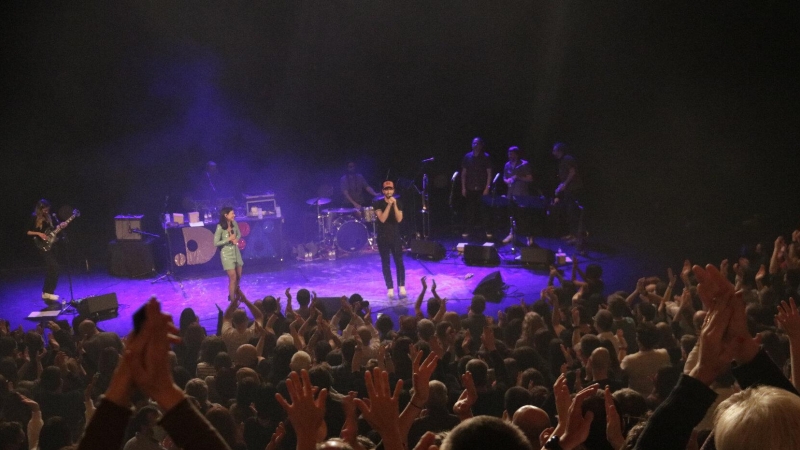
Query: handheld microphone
point(428, 160)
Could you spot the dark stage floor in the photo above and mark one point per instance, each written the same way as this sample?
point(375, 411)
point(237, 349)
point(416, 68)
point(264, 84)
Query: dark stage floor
point(350, 273)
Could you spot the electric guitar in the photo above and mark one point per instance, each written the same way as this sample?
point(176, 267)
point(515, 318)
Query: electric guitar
point(52, 234)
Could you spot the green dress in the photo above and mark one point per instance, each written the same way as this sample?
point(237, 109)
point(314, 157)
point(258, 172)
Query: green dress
point(229, 253)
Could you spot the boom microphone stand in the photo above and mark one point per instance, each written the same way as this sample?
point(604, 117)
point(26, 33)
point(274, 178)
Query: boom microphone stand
point(168, 275)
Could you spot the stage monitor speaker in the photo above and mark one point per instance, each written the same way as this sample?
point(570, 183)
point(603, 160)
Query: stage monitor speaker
point(492, 287)
point(99, 306)
point(480, 255)
point(427, 249)
point(537, 256)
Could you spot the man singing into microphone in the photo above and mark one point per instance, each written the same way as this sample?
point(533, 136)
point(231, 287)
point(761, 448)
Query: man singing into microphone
point(390, 213)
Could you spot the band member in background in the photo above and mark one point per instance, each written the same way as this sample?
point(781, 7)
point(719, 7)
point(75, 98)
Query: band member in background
point(476, 179)
point(226, 237)
point(43, 223)
point(353, 185)
point(389, 211)
point(518, 177)
point(567, 192)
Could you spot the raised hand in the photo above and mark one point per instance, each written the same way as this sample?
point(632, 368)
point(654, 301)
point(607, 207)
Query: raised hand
point(277, 437)
point(578, 424)
point(422, 373)
point(305, 412)
point(613, 423)
point(147, 356)
point(382, 412)
point(433, 286)
point(762, 272)
point(468, 397)
point(563, 402)
point(424, 282)
point(789, 319)
point(349, 431)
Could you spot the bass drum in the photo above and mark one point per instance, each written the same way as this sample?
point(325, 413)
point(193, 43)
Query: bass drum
point(351, 235)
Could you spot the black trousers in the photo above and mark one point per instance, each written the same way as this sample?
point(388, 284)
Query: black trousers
point(475, 215)
point(52, 271)
point(391, 246)
point(568, 214)
point(522, 217)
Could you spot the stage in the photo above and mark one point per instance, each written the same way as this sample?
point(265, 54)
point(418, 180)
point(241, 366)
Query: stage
point(355, 272)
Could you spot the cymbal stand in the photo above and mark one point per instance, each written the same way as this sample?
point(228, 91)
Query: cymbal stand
point(320, 224)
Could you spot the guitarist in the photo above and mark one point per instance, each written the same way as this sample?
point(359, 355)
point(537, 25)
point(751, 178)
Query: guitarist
point(43, 223)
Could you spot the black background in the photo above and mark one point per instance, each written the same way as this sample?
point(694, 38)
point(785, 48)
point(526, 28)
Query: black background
point(683, 115)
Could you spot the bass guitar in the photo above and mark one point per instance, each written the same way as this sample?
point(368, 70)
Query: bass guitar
point(52, 233)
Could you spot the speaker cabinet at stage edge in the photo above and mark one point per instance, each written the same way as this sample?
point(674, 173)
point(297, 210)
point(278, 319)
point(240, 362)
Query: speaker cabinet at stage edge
point(480, 255)
point(99, 307)
point(492, 287)
point(427, 249)
point(536, 256)
point(132, 259)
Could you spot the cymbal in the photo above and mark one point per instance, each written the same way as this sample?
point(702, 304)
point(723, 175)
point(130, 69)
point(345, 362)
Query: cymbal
point(318, 201)
point(379, 197)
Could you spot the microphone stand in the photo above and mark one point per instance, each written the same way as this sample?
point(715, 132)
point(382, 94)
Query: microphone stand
point(452, 193)
point(69, 308)
point(168, 275)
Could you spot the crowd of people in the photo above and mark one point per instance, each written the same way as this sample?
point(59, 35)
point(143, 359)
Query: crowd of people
point(707, 356)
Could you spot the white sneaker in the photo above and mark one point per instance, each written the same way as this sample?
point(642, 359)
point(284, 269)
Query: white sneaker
point(46, 296)
point(508, 238)
point(402, 291)
point(390, 293)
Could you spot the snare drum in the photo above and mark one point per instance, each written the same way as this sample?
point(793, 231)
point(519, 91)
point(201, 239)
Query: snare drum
point(351, 235)
point(368, 214)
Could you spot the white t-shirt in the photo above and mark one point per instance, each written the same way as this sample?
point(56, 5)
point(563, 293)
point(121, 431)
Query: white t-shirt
point(642, 366)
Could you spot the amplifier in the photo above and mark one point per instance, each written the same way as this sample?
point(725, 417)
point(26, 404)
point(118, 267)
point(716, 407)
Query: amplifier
point(124, 225)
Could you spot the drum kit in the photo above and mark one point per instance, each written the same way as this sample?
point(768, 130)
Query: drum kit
point(344, 229)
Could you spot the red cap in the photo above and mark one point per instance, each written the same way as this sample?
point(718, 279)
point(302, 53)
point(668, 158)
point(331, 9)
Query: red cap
point(388, 183)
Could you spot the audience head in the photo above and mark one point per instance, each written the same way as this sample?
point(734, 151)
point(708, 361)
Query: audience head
point(480, 372)
point(425, 329)
point(303, 297)
point(600, 361)
point(87, 328)
point(603, 320)
point(484, 432)
point(239, 318)
point(246, 356)
point(647, 336)
point(437, 395)
point(756, 418)
point(478, 304)
point(187, 318)
point(532, 421)
point(300, 360)
point(515, 398)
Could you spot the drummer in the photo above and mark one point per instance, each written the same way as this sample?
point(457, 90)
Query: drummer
point(354, 186)
point(518, 177)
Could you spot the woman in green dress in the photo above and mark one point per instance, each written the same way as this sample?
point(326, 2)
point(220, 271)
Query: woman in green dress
point(226, 237)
